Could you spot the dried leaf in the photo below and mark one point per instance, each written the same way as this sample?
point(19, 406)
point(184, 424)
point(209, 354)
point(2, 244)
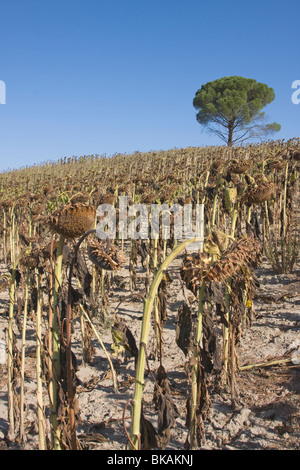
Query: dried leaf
point(148, 434)
point(202, 410)
point(123, 339)
point(92, 437)
point(167, 411)
point(184, 328)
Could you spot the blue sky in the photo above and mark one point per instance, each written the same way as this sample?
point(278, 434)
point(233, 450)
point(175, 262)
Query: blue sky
point(116, 76)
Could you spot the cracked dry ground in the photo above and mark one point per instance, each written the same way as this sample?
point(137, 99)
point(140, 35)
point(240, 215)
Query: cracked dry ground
point(266, 415)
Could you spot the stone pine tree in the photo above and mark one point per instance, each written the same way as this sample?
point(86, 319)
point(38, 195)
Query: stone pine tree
point(231, 108)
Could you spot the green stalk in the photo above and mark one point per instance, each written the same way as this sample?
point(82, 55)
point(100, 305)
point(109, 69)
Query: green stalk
point(234, 219)
point(249, 214)
point(56, 344)
point(148, 275)
point(165, 245)
point(226, 331)
point(148, 305)
point(156, 312)
point(213, 217)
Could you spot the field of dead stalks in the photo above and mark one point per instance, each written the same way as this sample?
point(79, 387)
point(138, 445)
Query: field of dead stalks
point(149, 343)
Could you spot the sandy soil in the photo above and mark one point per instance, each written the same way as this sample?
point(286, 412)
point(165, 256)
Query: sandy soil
point(266, 415)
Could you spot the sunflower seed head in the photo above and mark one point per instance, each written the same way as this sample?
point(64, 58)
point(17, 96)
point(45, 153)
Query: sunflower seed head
point(105, 255)
point(73, 220)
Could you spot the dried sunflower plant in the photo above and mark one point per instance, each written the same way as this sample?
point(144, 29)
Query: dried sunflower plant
point(65, 241)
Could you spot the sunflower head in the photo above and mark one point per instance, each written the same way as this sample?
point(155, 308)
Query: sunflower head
point(105, 255)
point(73, 220)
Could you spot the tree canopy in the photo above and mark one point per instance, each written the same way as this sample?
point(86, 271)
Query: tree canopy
point(231, 108)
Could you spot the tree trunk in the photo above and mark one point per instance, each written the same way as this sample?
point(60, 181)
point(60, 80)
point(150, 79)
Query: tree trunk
point(230, 133)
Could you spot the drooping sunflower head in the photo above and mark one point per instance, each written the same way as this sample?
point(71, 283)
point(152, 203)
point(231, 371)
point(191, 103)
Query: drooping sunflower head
point(106, 255)
point(258, 194)
point(73, 220)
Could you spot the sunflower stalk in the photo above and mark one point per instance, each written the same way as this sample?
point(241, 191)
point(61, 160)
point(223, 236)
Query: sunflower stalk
point(215, 202)
point(70, 386)
point(275, 362)
point(39, 372)
point(226, 332)
point(131, 268)
point(4, 236)
point(50, 327)
point(196, 365)
point(157, 326)
point(56, 338)
point(226, 327)
point(24, 326)
point(234, 219)
point(12, 234)
point(114, 376)
point(10, 341)
point(148, 305)
point(284, 221)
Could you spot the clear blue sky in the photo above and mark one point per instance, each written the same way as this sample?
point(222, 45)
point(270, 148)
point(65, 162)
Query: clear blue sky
point(116, 76)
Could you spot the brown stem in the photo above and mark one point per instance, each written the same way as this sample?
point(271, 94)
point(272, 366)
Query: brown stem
point(70, 388)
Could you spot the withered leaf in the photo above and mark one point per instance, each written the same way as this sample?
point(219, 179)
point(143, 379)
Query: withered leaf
point(202, 409)
point(184, 328)
point(92, 437)
point(208, 350)
point(123, 337)
point(167, 411)
point(162, 304)
point(148, 434)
